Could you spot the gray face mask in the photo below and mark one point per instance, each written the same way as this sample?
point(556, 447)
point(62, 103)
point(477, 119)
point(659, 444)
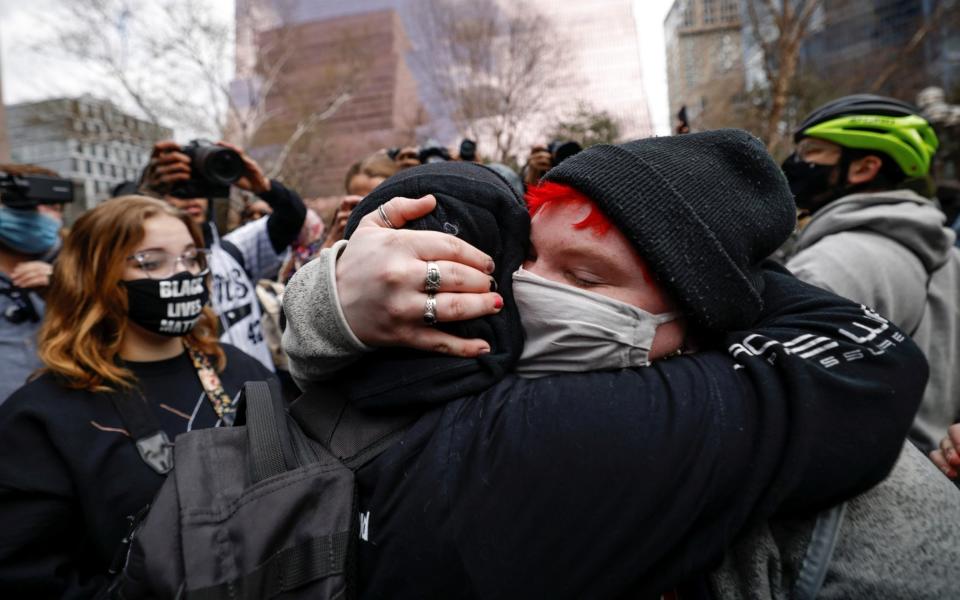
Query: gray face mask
point(572, 330)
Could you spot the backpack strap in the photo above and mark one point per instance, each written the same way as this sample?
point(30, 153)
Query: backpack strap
point(351, 435)
point(823, 540)
point(284, 571)
point(151, 441)
point(271, 449)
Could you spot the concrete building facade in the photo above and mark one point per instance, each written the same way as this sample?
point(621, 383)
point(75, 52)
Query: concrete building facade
point(858, 41)
point(4, 143)
point(603, 67)
point(361, 46)
point(705, 57)
point(85, 139)
point(393, 107)
point(852, 46)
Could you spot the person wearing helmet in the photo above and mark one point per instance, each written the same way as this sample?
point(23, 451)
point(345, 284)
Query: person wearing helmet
point(875, 240)
point(871, 239)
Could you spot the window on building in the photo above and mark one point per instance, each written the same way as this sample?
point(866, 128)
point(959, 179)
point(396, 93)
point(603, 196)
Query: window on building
point(75, 165)
point(729, 10)
point(690, 66)
point(710, 14)
point(113, 170)
point(88, 167)
point(687, 11)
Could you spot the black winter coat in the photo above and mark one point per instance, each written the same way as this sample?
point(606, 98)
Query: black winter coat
point(627, 483)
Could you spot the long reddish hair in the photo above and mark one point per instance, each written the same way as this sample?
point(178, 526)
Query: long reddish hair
point(86, 314)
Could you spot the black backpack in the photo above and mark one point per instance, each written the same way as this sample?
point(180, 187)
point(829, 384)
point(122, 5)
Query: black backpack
point(261, 509)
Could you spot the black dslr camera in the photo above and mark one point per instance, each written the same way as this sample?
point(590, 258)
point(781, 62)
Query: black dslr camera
point(561, 150)
point(433, 152)
point(213, 169)
point(29, 191)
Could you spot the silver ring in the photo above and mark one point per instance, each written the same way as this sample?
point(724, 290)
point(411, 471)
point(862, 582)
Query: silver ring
point(430, 310)
point(432, 282)
point(384, 218)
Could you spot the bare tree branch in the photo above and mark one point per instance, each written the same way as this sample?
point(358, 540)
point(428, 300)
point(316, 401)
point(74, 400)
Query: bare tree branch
point(304, 127)
point(904, 53)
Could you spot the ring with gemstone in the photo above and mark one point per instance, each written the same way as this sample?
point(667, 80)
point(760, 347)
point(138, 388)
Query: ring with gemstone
point(430, 310)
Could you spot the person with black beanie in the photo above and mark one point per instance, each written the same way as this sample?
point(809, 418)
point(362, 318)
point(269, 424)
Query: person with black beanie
point(622, 482)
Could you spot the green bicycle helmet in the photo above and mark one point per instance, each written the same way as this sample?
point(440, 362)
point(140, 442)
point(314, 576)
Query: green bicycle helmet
point(869, 122)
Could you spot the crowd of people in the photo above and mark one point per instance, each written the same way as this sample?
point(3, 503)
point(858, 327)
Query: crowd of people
point(666, 368)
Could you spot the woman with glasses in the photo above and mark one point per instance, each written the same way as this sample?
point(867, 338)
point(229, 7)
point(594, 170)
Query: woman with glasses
point(131, 359)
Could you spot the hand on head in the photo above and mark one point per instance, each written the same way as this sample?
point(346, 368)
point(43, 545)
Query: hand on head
point(381, 281)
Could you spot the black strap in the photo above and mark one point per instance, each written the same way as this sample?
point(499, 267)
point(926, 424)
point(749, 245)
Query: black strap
point(354, 437)
point(151, 441)
point(284, 571)
point(823, 541)
point(271, 450)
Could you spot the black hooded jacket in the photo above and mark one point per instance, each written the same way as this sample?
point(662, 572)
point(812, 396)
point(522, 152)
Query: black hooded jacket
point(619, 483)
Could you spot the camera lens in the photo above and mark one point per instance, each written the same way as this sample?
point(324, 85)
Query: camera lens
point(562, 150)
point(219, 165)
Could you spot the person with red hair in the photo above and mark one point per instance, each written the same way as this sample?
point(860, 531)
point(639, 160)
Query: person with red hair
point(613, 386)
point(615, 459)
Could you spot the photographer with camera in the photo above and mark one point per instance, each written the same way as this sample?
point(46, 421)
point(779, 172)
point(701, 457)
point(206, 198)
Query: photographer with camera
point(188, 177)
point(543, 158)
point(29, 232)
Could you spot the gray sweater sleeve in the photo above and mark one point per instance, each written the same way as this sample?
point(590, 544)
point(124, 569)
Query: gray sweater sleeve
point(318, 340)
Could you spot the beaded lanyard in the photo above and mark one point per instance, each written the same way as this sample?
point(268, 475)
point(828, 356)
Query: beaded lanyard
point(222, 404)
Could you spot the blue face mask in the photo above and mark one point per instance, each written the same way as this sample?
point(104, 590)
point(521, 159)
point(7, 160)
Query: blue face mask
point(28, 231)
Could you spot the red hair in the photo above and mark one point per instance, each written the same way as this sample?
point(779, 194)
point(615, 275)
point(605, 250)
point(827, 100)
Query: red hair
point(548, 191)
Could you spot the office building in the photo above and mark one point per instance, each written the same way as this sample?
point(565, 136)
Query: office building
point(603, 65)
point(360, 46)
point(705, 57)
point(394, 104)
point(859, 42)
point(4, 143)
point(85, 139)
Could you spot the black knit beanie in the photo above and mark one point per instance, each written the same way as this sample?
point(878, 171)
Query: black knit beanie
point(702, 209)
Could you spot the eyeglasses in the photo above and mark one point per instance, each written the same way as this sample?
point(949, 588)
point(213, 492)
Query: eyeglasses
point(160, 264)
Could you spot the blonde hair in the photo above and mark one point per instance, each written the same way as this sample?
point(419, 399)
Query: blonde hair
point(86, 313)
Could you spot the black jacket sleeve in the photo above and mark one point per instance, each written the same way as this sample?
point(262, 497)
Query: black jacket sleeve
point(628, 482)
point(42, 523)
point(289, 212)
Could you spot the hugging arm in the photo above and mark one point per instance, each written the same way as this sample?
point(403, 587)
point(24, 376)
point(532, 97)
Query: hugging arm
point(639, 479)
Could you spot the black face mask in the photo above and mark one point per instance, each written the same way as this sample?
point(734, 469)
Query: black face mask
point(809, 182)
point(168, 307)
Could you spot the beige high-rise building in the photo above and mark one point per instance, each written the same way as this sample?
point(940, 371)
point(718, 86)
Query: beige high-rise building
point(359, 46)
point(705, 66)
point(4, 143)
point(603, 66)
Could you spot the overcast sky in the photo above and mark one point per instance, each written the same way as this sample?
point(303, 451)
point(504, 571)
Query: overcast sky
point(30, 75)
